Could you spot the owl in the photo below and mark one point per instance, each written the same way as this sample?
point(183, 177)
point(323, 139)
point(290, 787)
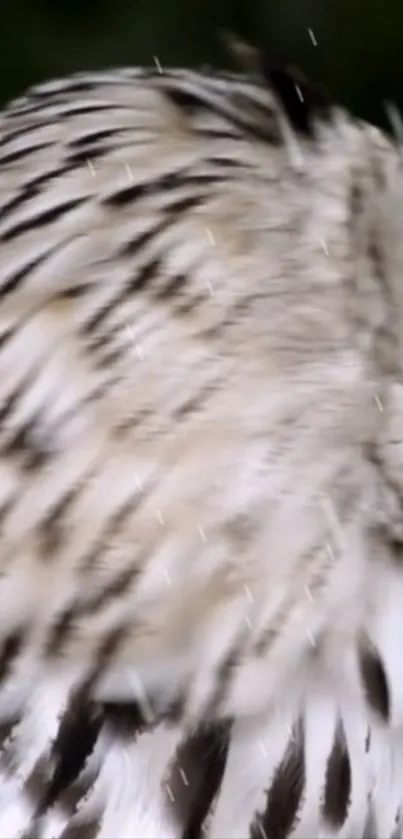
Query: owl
point(201, 460)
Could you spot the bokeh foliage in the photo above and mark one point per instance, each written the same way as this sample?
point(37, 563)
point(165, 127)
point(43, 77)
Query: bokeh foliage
point(359, 54)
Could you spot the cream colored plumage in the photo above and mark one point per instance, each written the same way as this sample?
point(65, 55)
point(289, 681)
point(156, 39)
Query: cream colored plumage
point(201, 412)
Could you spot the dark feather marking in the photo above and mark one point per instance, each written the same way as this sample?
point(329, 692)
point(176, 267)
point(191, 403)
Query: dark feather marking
point(82, 156)
point(81, 830)
point(106, 652)
point(26, 194)
point(7, 726)
point(338, 781)
point(13, 398)
point(171, 288)
point(125, 719)
point(374, 681)
point(135, 245)
point(166, 183)
point(209, 179)
point(94, 137)
point(376, 257)
point(116, 588)
point(202, 758)
point(95, 321)
point(175, 710)
point(10, 649)
point(44, 109)
point(127, 195)
point(23, 443)
point(191, 103)
point(15, 133)
point(68, 87)
point(79, 728)
point(285, 793)
point(19, 154)
point(59, 632)
point(6, 508)
point(228, 162)
point(74, 292)
point(34, 831)
point(63, 627)
point(8, 334)
point(109, 356)
point(34, 108)
point(11, 402)
point(111, 527)
point(99, 343)
point(223, 680)
point(35, 785)
point(75, 741)
point(143, 276)
point(42, 219)
point(190, 304)
point(17, 278)
point(51, 527)
point(356, 202)
point(47, 177)
point(301, 100)
point(187, 101)
point(32, 189)
point(192, 404)
point(71, 797)
point(81, 110)
point(65, 624)
point(182, 178)
point(182, 205)
point(229, 136)
point(53, 520)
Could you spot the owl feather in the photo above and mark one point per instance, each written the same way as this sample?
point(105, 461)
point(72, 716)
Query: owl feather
point(201, 461)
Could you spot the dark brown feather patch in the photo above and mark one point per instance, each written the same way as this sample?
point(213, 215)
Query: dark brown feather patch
point(75, 741)
point(374, 681)
point(303, 101)
point(196, 776)
point(285, 793)
point(338, 781)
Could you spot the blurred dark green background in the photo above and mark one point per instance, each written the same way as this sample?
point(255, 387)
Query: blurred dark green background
point(359, 52)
